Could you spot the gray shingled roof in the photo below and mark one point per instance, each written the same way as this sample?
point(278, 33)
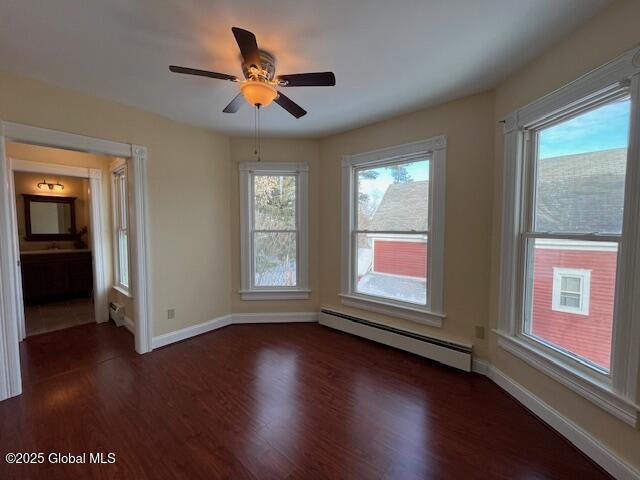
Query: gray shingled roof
point(398, 208)
point(583, 192)
point(576, 193)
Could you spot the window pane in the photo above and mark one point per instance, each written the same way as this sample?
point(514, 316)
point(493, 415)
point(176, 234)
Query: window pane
point(571, 284)
point(393, 197)
point(392, 266)
point(584, 332)
point(123, 201)
point(123, 256)
point(571, 300)
point(275, 202)
point(580, 171)
point(275, 259)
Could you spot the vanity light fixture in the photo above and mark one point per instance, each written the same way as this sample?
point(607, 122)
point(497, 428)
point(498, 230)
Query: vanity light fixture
point(56, 187)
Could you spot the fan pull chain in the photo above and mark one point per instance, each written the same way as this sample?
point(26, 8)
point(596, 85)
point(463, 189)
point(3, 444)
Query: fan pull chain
point(256, 132)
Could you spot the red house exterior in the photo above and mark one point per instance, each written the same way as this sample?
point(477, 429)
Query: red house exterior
point(397, 257)
point(587, 335)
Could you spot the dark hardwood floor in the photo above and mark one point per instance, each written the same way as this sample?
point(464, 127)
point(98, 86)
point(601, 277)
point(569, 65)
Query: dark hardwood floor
point(296, 401)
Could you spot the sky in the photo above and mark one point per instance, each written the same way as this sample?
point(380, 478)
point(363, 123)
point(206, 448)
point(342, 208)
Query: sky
point(418, 170)
point(603, 128)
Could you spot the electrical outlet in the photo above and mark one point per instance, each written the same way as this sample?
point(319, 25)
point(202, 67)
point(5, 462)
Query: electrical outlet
point(171, 314)
point(479, 331)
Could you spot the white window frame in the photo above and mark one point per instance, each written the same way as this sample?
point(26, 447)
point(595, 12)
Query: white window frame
point(435, 150)
point(584, 276)
point(248, 170)
point(117, 168)
point(613, 391)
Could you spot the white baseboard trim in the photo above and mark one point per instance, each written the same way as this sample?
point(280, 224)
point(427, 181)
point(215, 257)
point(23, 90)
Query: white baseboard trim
point(188, 332)
point(235, 318)
point(582, 440)
point(288, 317)
point(480, 366)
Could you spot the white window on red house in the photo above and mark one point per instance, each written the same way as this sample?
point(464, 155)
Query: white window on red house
point(576, 193)
point(571, 290)
point(392, 231)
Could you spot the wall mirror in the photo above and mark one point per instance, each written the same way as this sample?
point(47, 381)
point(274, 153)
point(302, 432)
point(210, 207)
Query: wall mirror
point(49, 218)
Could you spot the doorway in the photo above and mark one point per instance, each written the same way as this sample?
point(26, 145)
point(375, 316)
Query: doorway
point(11, 293)
point(54, 227)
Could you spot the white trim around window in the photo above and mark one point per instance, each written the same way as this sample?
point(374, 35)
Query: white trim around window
point(563, 294)
point(248, 172)
point(120, 221)
point(615, 391)
point(433, 149)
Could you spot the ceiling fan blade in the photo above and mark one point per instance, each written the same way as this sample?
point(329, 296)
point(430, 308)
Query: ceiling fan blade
point(317, 79)
point(202, 73)
point(290, 106)
point(248, 46)
point(235, 104)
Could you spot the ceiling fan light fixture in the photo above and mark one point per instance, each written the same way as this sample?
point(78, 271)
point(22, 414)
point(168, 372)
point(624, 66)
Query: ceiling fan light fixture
point(258, 93)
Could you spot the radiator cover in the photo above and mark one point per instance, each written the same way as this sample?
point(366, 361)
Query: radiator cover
point(454, 354)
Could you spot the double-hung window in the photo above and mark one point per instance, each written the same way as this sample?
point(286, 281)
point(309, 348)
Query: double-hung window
point(574, 202)
point(273, 211)
point(120, 226)
point(393, 230)
point(570, 236)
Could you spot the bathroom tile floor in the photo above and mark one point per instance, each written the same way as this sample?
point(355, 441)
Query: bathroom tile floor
point(49, 317)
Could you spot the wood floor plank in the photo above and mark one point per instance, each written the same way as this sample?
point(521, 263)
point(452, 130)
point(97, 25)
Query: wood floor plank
point(281, 401)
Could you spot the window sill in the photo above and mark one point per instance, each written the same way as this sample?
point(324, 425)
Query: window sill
point(274, 294)
point(123, 291)
point(417, 315)
point(593, 390)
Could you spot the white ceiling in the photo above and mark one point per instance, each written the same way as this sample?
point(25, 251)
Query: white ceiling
point(389, 56)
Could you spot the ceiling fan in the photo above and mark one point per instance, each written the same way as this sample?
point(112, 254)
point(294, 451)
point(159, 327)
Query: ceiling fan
point(260, 83)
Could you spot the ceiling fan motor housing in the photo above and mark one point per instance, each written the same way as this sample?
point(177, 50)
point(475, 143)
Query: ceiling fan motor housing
point(268, 64)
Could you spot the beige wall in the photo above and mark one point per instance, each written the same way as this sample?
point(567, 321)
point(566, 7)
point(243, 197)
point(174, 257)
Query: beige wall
point(469, 126)
point(189, 192)
point(607, 35)
point(27, 184)
point(277, 150)
point(468, 123)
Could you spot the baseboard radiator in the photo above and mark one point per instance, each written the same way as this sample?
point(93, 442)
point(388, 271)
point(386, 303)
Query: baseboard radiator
point(449, 353)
